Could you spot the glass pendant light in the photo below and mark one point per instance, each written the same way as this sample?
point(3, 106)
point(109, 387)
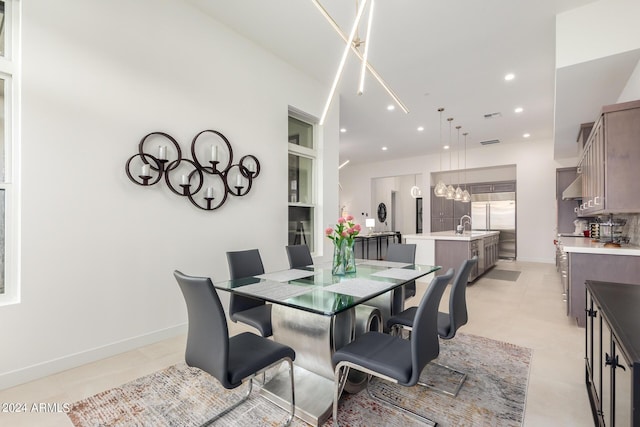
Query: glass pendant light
point(466, 197)
point(458, 193)
point(451, 192)
point(440, 190)
point(415, 190)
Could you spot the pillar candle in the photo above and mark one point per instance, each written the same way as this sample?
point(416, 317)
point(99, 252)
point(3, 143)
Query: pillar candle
point(214, 153)
point(185, 180)
point(162, 152)
point(209, 193)
point(239, 180)
point(146, 169)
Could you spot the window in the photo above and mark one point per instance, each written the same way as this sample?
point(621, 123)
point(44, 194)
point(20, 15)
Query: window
point(301, 182)
point(9, 31)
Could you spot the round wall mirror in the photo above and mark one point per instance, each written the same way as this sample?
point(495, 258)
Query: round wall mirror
point(382, 212)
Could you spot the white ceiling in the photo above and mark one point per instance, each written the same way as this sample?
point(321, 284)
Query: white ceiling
point(581, 91)
point(451, 54)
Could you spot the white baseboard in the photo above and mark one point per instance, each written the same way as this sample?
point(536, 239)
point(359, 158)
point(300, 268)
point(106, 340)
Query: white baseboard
point(50, 367)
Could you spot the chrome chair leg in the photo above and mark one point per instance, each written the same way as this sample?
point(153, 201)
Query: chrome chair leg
point(398, 330)
point(250, 388)
point(342, 371)
point(232, 407)
point(341, 375)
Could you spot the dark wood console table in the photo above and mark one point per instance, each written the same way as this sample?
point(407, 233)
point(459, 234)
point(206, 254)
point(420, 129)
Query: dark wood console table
point(612, 352)
point(382, 242)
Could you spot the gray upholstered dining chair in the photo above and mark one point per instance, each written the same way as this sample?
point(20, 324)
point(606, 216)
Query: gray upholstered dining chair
point(251, 311)
point(448, 323)
point(389, 356)
point(404, 253)
point(299, 256)
point(231, 360)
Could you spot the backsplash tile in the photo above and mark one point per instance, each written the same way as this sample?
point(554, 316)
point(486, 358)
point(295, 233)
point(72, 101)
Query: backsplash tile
point(632, 228)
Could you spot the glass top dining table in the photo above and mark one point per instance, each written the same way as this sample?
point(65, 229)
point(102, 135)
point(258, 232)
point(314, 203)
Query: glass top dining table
point(315, 289)
point(315, 313)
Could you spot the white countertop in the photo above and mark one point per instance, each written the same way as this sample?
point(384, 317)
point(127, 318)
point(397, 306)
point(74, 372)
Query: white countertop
point(588, 246)
point(451, 235)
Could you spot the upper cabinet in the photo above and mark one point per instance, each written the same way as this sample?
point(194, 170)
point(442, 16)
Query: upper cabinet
point(493, 187)
point(610, 162)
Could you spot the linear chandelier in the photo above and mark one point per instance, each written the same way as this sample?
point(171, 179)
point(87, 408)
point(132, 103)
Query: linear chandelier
point(353, 43)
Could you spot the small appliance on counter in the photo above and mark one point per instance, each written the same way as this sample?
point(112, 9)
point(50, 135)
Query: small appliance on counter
point(611, 232)
point(582, 227)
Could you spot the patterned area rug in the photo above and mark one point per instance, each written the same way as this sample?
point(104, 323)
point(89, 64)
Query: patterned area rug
point(494, 394)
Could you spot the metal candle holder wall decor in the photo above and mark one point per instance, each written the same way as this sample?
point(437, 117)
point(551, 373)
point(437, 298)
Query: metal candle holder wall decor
point(194, 173)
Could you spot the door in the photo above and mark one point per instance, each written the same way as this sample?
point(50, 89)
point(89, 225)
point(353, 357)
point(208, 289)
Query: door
point(606, 353)
point(393, 211)
point(622, 389)
point(479, 215)
point(502, 215)
point(419, 215)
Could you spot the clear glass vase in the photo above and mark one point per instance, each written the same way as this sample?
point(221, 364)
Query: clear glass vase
point(344, 258)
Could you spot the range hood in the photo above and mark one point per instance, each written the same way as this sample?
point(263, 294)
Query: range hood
point(574, 190)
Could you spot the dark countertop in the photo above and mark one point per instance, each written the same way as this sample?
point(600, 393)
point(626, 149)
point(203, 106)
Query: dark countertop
point(620, 305)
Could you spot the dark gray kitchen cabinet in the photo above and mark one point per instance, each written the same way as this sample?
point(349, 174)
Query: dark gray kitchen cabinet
point(493, 187)
point(609, 162)
point(460, 209)
point(612, 353)
point(491, 250)
point(584, 266)
point(451, 254)
point(441, 224)
point(442, 218)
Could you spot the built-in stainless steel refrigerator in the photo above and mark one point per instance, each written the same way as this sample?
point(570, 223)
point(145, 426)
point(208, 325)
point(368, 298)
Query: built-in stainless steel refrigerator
point(496, 212)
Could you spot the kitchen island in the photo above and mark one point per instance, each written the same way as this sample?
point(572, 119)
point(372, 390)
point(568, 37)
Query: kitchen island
point(589, 260)
point(448, 249)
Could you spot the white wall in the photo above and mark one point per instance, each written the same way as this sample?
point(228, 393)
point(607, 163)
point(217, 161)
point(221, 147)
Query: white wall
point(597, 30)
point(98, 251)
point(631, 91)
point(536, 216)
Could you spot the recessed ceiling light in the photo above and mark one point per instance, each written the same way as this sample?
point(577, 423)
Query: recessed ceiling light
point(420, 128)
point(446, 147)
point(391, 107)
point(384, 148)
point(509, 76)
point(519, 110)
point(526, 135)
point(343, 130)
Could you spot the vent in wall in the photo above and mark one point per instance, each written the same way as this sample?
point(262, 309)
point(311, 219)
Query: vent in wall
point(493, 115)
point(491, 141)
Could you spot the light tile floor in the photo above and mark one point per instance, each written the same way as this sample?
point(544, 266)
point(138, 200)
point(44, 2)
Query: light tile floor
point(529, 312)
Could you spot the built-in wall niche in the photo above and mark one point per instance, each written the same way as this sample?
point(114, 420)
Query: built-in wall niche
point(395, 193)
